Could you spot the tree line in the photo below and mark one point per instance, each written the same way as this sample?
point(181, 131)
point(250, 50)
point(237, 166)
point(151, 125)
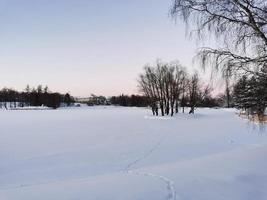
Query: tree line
point(120, 100)
point(130, 100)
point(40, 96)
point(168, 86)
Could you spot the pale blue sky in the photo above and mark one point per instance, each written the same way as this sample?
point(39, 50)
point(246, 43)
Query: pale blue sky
point(86, 46)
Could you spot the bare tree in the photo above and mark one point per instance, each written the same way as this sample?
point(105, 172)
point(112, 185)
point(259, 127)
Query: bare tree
point(240, 24)
point(178, 76)
point(227, 74)
point(193, 92)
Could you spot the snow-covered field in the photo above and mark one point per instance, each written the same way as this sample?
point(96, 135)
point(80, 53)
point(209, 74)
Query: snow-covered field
point(114, 153)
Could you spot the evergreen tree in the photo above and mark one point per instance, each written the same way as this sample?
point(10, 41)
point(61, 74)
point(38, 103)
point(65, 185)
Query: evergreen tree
point(251, 93)
point(239, 93)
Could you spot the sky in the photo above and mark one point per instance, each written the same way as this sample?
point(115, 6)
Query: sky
point(87, 46)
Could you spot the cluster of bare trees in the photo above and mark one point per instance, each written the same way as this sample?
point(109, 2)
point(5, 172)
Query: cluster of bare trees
point(169, 86)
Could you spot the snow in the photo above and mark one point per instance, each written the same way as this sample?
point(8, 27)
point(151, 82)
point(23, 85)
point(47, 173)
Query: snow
point(31, 108)
point(104, 153)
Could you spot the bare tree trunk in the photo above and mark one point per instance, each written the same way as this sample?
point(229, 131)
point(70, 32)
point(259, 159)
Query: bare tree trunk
point(228, 97)
point(153, 112)
point(227, 85)
point(157, 111)
point(167, 108)
point(162, 108)
point(176, 106)
point(172, 108)
point(192, 110)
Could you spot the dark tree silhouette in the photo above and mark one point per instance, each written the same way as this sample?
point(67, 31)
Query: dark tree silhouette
point(241, 24)
point(33, 97)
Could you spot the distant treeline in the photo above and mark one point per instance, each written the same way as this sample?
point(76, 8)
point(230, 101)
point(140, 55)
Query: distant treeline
point(131, 101)
point(144, 101)
point(40, 96)
point(121, 100)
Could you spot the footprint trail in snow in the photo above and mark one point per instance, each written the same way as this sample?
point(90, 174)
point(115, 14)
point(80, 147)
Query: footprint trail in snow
point(172, 195)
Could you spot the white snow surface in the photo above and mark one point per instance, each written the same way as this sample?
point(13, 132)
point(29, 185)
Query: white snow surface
point(116, 153)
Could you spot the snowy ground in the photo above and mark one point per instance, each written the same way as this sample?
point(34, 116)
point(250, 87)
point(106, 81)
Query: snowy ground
point(116, 153)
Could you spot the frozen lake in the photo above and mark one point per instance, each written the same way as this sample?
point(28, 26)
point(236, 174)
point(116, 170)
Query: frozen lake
point(104, 153)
